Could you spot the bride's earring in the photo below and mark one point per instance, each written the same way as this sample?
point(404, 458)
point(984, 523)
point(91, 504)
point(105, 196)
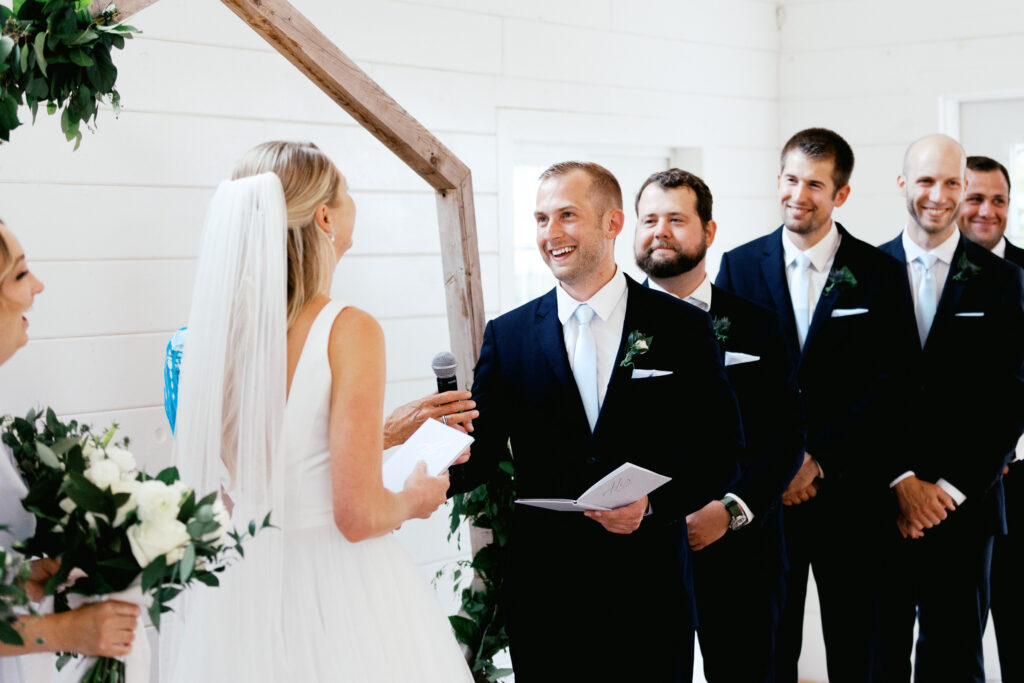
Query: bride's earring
point(332, 237)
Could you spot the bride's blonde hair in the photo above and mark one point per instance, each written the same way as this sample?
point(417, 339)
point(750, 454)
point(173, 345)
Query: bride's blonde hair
point(309, 179)
point(6, 262)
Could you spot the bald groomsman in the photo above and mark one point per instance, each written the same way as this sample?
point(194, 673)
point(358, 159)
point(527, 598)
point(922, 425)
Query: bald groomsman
point(957, 438)
point(983, 220)
point(839, 303)
point(739, 567)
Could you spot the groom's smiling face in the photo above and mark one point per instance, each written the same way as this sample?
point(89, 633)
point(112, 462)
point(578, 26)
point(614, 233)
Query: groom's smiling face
point(571, 232)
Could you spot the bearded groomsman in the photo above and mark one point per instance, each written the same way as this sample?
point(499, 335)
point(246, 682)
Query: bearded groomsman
point(738, 569)
point(947, 482)
point(843, 320)
point(567, 383)
point(983, 221)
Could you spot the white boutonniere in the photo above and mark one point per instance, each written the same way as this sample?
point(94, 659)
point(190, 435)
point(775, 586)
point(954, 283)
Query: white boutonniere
point(637, 344)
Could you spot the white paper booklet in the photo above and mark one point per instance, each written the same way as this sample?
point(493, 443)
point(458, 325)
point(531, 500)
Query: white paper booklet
point(627, 484)
point(436, 444)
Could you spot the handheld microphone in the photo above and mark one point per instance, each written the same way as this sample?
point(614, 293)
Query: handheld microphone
point(444, 366)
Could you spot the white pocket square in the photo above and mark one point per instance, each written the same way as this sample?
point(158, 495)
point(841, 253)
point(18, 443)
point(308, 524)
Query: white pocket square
point(843, 312)
point(644, 374)
point(970, 314)
point(735, 358)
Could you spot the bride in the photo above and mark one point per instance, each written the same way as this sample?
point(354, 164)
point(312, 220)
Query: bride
point(280, 406)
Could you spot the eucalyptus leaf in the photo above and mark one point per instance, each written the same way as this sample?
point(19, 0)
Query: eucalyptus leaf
point(40, 46)
point(47, 456)
point(6, 47)
point(187, 563)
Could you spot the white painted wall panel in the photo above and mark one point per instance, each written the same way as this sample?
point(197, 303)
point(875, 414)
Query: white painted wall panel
point(699, 21)
point(585, 56)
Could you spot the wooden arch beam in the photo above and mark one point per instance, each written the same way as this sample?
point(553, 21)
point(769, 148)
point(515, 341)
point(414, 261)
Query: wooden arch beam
point(312, 53)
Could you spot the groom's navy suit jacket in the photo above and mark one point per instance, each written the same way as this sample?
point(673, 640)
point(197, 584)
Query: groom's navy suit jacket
point(582, 601)
point(857, 343)
point(967, 409)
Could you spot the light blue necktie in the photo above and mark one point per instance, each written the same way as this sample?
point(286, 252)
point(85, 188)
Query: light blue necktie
point(927, 296)
point(801, 296)
point(584, 363)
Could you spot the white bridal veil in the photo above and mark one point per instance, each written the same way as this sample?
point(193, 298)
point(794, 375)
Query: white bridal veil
point(229, 432)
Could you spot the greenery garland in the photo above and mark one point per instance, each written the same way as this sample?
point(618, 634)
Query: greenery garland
point(55, 51)
point(482, 629)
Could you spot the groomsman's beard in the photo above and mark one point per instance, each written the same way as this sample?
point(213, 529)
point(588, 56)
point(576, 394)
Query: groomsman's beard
point(681, 262)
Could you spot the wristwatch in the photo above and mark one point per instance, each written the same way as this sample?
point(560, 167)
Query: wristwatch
point(738, 517)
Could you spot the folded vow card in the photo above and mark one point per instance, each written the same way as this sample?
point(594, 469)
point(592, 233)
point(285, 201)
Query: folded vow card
point(627, 484)
point(434, 443)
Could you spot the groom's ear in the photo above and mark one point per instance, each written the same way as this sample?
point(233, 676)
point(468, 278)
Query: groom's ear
point(614, 219)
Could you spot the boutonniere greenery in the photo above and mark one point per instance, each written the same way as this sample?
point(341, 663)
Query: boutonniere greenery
point(721, 327)
point(840, 278)
point(637, 344)
point(965, 270)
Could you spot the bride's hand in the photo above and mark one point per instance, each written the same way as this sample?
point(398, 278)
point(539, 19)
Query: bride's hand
point(427, 493)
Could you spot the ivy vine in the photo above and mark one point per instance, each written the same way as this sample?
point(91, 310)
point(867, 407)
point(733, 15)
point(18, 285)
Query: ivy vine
point(55, 51)
point(482, 629)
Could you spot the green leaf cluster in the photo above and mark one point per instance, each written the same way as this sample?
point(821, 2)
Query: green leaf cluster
point(482, 629)
point(966, 269)
point(13, 574)
point(55, 52)
point(841, 278)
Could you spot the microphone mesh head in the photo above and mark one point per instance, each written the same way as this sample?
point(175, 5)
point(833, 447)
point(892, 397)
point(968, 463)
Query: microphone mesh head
point(444, 364)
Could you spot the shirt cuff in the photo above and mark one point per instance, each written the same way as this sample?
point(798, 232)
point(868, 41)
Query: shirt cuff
point(1019, 455)
point(908, 473)
point(821, 470)
point(743, 506)
point(954, 493)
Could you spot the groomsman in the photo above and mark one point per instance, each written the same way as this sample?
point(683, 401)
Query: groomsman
point(738, 571)
point(983, 221)
point(578, 382)
point(962, 422)
point(839, 303)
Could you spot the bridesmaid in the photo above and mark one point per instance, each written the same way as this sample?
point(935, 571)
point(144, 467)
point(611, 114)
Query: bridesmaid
point(103, 629)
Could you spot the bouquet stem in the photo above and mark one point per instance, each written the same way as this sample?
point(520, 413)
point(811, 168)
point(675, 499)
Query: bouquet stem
point(105, 670)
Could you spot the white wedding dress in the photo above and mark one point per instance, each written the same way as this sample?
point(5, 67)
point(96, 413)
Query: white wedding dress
point(354, 611)
point(349, 612)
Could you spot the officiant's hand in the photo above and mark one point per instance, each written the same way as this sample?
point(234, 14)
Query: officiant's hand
point(623, 520)
point(426, 493)
point(455, 407)
point(707, 525)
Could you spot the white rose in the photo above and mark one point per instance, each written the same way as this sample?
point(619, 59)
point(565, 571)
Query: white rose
point(131, 487)
point(89, 449)
point(642, 345)
point(150, 540)
point(103, 473)
point(157, 501)
point(67, 505)
point(124, 460)
point(222, 517)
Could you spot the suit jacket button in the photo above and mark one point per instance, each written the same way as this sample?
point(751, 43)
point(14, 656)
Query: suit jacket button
point(591, 460)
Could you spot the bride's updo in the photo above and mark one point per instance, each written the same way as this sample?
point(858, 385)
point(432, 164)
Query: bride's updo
point(309, 179)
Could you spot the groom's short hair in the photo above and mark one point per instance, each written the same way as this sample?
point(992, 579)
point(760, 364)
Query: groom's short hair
point(605, 192)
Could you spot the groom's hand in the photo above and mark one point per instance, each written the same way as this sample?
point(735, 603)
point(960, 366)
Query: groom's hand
point(623, 520)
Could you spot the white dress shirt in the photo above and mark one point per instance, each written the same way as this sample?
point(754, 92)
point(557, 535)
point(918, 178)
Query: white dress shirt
point(940, 271)
point(821, 256)
point(701, 298)
point(609, 304)
point(1000, 248)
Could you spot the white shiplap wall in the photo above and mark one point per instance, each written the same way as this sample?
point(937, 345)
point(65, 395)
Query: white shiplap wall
point(112, 229)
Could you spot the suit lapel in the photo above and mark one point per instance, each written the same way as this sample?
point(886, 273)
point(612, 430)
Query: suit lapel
point(551, 340)
point(827, 302)
point(622, 375)
point(773, 269)
point(952, 290)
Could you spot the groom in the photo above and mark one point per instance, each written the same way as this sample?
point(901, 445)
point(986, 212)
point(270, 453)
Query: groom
point(600, 596)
